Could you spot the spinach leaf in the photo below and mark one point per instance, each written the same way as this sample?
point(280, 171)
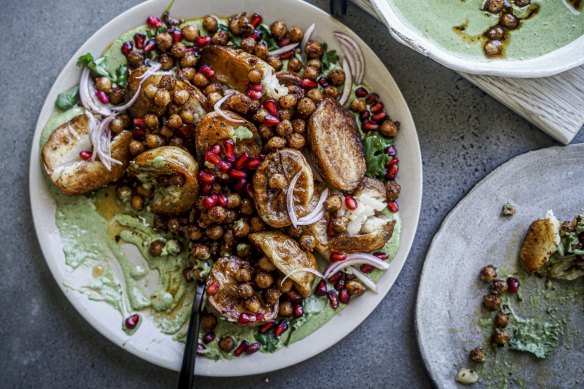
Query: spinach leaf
point(374, 145)
point(96, 66)
point(329, 57)
point(122, 75)
point(68, 99)
point(268, 37)
point(268, 341)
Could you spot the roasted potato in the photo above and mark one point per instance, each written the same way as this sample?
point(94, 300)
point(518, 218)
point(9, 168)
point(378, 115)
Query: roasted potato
point(287, 77)
point(539, 244)
point(362, 243)
point(213, 128)
point(226, 301)
point(336, 146)
point(270, 201)
point(287, 256)
point(168, 160)
point(73, 175)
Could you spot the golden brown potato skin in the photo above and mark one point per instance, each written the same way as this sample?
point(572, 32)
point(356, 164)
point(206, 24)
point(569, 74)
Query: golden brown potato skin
point(362, 243)
point(287, 256)
point(226, 302)
point(336, 146)
point(83, 176)
point(539, 244)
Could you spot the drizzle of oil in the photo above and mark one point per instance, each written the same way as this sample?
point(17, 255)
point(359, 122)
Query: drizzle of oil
point(107, 205)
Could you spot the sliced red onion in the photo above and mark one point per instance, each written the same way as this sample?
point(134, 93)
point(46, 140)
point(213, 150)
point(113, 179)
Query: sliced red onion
point(220, 112)
point(366, 280)
point(356, 51)
point(290, 199)
point(348, 83)
point(312, 220)
point(306, 36)
point(72, 131)
point(356, 259)
point(302, 269)
point(318, 211)
point(284, 49)
point(86, 94)
point(102, 143)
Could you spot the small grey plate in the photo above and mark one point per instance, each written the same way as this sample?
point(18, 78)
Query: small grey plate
point(475, 234)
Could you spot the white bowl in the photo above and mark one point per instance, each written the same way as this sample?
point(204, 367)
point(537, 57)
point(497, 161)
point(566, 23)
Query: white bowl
point(557, 61)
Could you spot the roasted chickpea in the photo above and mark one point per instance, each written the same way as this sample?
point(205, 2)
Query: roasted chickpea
point(493, 48)
point(245, 291)
point(151, 121)
point(233, 200)
point(163, 41)
point(272, 295)
point(315, 95)
point(333, 203)
point(162, 98)
point(178, 50)
point(116, 95)
point(499, 286)
point(137, 202)
point(226, 343)
point(190, 32)
point(355, 288)
point(167, 82)
point(210, 24)
point(189, 60)
point(278, 29)
point(295, 65)
point(311, 73)
point(247, 207)
point(257, 224)
point(296, 141)
point(180, 97)
point(173, 225)
point(255, 76)
point(176, 141)
point(313, 50)
point(522, 3)
point(135, 58)
point(104, 84)
point(213, 88)
point(214, 232)
point(500, 337)
point(266, 265)
point(496, 32)
point(243, 275)
point(336, 77)
point(296, 34)
point(262, 52)
point(124, 193)
point(248, 44)
point(340, 224)
point(193, 233)
point(488, 273)
point(200, 80)
point(264, 280)
point(208, 322)
point(200, 252)
point(117, 125)
point(153, 140)
point(307, 242)
point(136, 147)
point(150, 91)
point(478, 355)
point(252, 305)
point(166, 132)
point(285, 308)
point(510, 21)
point(284, 128)
point(495, 6)
point(299, 126)
point(331, 91)
point(502, 319)
point(314, 63)
point(217, 214)
point(156, 248)
point(241, 228)
point(275, 143)
point(287, 101)
point(275, 62)
point(305, 107)
point(174, 121)
point(239, 103)
point(392, 190)
point(389, 128)
point(186, 73)
point(491, 302)
point(214, 98)
point(143, 191)
point(285, 286)
point(358, 105)
point(166, 61)
point(220, 38)
point(243, 250)
point(266, 132)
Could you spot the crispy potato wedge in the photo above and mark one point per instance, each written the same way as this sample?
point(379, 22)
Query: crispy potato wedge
point(362, 243)
point(271, 203)
point(72, 175)
point(226, 303)
point(335, 145)
point(539, 244)
point(287, 256)
point(213, 128)
point(168, 160)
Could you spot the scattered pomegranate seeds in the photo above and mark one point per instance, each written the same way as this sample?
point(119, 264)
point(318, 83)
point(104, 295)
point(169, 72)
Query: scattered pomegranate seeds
point(209, 337)
point(282, 326)
point(154, 21)
point(210, 201)
point(351, 203)
point(224, 166)
point(340, 284)
point(268, 326)
point(284, 42)
point(241, 161)
point(139, 39)
point(393, 206)
point(206, 71)
point(139, 122)
point(212, 158)
point(213, 287)
point(240, 184)
point(366, 268)
point(256, 19)
point(176, 34)
point(382, 256)
point(271, 107)
point(377, 107)
point(370, 125)
point(127, 47)
point(361, 92)
point(222, 200)
point(307, 83)
point(203, 41)
point(253, 347)
point(237, 174)
point(332, 296)
point(294, 296)
point(364, 116)
point(85, 155)
point(201, 348)
point(102, 97)
point(335, 277)
point(139, 132)
point(132, 321)
point(257, 35)
point(322, 82)
point(298, 310)
point(254, 95)
point(216, 148)
point(392, 171)
point(271, 121)
point(512, 285)
point(393, 161)
point(241, 348)
point(337, 257)
point(249, 191)
point(287, 55)
point(206, 177)
point(255, 87)
point(206, 188)
point(372, 98)
point(320, 289)
point(245, 318)
point(253, 163)
point(260, 316)
point(350, 277)
point(229, 150)
point(379, 117)
point(344, 296)
point(188, 275)
point(149, 45)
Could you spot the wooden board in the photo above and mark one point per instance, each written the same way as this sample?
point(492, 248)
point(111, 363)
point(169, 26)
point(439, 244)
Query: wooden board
point(553, 104)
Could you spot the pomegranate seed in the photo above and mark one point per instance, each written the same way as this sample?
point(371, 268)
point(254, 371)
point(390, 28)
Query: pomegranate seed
point(351, 203)
point(364, 116)
point(207, 71)
point(222, 200)
point(271, 121)
point(370, 125)
point(154, 21)
point(185, 130)
point(213, 288)
point(337, 257)
point(206, 177)
point(320, 289)
point(203, 41)
point(282, 326)
point(240, 185)
point(340, 284)
point(207, 188)
point(139, 39)
point(344, 296)
point(229, 150)
point(255, 87)
point(244, 318)
point(249, 191)
point(393, 206)
point(212, 158)
point(332, 296)
point(392, 171)
point(294, 296)
point(382, 256)
point(127, 47)
point(287, 55)
point(254, 95)
point(366, 268)
point(391, 150)
point(350, 277)
point(307, 83)
point(241, 161)
point(361, 92)
point(176, 34)
point(298, 310)
point(335, 277)
point(224, 166)
point(271, 107)
point(372, 98)
point(253, 163)
point(209, 201)
point(132, 321)
point(209, 337)
point(512, 285)
point(241, 348)
point(237, 174)
point(102, 97)
point(201, 348)
point(257, 35)
point(393, 161)
point(252, 348)
point(256, 19)
point(139, 132)
point(216, 148)
point(188, 275)
point(377, 107)
point(322, 82)
point(139, 122)
point(266, 327)
point(260, 316)
point(149, 45)
point(379, 117)
point(284, 42)
point(85, 155)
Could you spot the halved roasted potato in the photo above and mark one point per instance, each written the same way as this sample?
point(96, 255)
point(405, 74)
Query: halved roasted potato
point(73, 175)
point(271, 183)
point(539, 244)
point(225, 301)
point(168, 160)
point(287, 256)
point(286, 77)
point(336, 146)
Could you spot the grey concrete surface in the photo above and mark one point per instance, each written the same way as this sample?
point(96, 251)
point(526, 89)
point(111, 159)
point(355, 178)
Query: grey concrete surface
point(44, 343)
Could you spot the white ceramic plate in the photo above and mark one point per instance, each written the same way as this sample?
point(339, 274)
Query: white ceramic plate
point(148, 343)
point(475, 234)
point(558, 61)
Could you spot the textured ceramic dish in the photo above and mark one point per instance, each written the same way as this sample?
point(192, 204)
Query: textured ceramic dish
point(474, 235)
point(558, 61)
point(149, 343)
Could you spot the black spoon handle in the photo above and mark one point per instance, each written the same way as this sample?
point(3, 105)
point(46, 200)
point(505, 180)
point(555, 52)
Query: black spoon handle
point(187, 371)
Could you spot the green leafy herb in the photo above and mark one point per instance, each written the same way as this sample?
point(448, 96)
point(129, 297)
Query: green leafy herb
point(161, 29)
point(122, 75)
point(150, 34)
point(268, 341)
point(537, 337)
point(68, 99)
point(268, 37)
point(374, 145)
point(222, 27)
point(97, 66)
point(169, 6)
point(329, 57)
